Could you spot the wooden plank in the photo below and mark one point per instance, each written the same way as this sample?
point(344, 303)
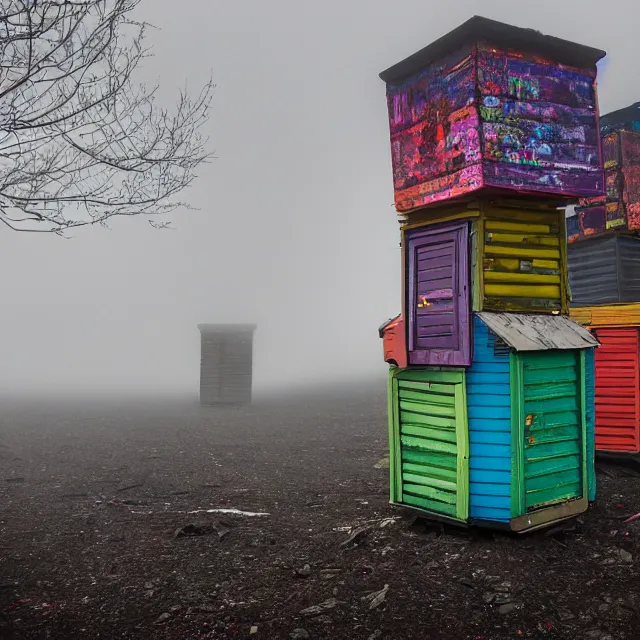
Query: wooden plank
point(462, 465)
point(431, 376)
point(426, 397)
point(553, 495)
point(517, 435)
point(425, 409)
point(425, 444)
point(551, 267)
point(522, 291)
point(432, 493)
point(397, 488)
point(478, 272)
point(436, 473)
point(424, 385)
point(494, 225)
point(525, 252)
point(544, 517)
point(432, 421)
point(521, 278)
point(521, 238)
point(429, 505)
point(443, 435)
point(432, 459)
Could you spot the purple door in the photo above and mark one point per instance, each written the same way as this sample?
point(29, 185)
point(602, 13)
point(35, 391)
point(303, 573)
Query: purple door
point(438, 295)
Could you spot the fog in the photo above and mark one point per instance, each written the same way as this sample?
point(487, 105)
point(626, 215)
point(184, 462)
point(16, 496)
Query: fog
point(295, 230)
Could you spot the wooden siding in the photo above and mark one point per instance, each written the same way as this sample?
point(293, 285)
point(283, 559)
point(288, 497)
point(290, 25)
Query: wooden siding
point(521, 260)
point(438, 295)
point(590, 414)
point(489, 407)
point(621, 315)
point(429, 441)
point(226, 367)
point(617, 392)
point(554, 424)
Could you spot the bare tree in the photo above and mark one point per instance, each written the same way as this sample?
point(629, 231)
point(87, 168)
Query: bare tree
point(80, 140)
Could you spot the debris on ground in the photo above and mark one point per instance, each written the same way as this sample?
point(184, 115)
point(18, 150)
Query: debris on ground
point(163, 618)
point(507, 608)
point(377, 598)
point(319, 609)
point(194, 530)
point(299, 634)
point(383, 463)
point(356, 537)
point(231, 512)
point(303, 572)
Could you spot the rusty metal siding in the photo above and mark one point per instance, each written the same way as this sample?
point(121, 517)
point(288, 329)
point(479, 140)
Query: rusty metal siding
point(617, 389)
point(593, 272)
point(522, 260)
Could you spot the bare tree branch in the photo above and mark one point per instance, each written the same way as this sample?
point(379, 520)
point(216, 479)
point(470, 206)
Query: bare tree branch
point(80, 141)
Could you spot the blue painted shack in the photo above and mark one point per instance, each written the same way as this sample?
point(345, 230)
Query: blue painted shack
point(508, 442)
point(530, 418)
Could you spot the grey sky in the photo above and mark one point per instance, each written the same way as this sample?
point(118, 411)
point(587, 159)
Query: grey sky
point(296, 230)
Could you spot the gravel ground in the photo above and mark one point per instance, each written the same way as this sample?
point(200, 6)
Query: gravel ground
point(105, 534)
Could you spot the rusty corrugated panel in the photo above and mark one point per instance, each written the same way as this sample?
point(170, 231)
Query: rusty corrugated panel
point(619, 315)
point(617, 393)
point(528, 332)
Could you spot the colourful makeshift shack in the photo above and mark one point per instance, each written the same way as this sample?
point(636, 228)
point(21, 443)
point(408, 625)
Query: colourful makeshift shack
point(494, 130)
point(490, 106)
point(604, 276)
point(504, 443)
point(617, 374)
point(618, 209)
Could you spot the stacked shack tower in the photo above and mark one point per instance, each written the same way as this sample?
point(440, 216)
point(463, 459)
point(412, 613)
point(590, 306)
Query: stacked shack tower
point(494, 130)
point(604, 273)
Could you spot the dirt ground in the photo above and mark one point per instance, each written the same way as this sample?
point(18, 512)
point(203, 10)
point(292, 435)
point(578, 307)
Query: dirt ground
point(92, 496)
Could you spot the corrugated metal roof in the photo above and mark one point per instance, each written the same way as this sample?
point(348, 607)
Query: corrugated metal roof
point(531, 332)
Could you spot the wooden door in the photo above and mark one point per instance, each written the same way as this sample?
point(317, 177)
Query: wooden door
point(553, 427)
point(429, 441)
point(438, 295)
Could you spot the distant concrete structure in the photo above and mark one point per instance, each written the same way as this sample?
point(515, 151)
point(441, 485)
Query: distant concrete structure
point(226, 363)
